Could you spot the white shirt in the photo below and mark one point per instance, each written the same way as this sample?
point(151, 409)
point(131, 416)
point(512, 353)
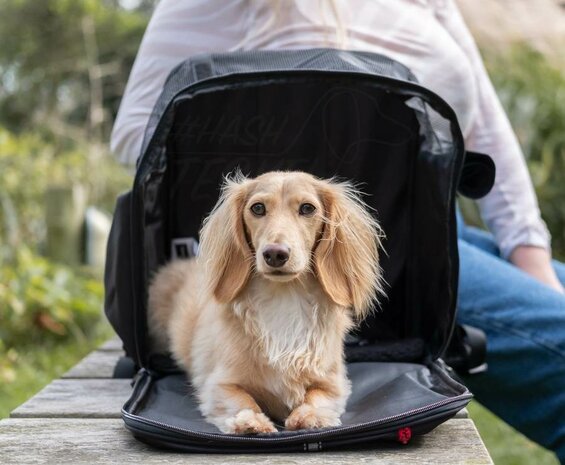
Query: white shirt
point(428, 36)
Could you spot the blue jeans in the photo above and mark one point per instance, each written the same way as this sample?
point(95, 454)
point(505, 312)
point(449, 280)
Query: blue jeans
point(525, 325)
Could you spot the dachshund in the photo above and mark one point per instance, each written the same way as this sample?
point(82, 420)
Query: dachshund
point(288, 264)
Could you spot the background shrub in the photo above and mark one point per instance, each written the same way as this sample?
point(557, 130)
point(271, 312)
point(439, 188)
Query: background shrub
point(532, 91)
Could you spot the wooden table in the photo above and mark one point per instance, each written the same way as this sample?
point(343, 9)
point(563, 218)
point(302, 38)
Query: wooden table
point(77, 420)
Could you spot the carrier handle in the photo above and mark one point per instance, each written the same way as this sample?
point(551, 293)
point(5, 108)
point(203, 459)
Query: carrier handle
point(477, 175)
point(467, 350)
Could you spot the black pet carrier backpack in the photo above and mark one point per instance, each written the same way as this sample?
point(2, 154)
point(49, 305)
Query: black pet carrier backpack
point(355, 115)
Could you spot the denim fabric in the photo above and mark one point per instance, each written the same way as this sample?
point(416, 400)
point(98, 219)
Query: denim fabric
point(525, 325)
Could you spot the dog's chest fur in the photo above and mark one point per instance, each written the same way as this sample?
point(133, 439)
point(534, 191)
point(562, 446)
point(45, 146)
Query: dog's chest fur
point(294, 334)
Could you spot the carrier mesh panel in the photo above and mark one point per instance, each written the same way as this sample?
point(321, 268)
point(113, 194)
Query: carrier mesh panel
point(202, 67)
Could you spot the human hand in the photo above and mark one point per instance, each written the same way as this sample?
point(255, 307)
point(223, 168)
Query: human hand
point(536, 261)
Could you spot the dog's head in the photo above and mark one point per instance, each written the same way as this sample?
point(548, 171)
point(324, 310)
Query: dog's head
point(282, 225)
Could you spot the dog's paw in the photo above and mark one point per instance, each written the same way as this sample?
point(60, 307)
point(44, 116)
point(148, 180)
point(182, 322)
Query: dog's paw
point(307, 417)
point(249, 422)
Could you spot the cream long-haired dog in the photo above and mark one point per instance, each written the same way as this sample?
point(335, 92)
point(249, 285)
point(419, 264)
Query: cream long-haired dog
point(287, 264)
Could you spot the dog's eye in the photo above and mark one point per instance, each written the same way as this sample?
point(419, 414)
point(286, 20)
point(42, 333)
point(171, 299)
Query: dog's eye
point(258, 209)
point(306, 209)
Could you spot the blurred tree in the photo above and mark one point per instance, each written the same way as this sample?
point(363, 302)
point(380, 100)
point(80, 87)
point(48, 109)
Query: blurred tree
point(64, 64)
point(63, 67)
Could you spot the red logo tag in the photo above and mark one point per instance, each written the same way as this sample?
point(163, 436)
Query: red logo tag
point(404, 435)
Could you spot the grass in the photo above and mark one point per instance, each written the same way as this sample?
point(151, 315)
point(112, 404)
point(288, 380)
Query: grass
point(505, 444)
point(38, 366)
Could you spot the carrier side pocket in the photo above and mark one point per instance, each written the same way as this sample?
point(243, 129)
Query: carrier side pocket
point(118, 302)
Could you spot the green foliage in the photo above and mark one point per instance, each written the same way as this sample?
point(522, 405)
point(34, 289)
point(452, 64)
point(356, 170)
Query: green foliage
point(64, 64)
point(40, 303)
point(41, 300)
point(28, 165)
point(533, 94)
point(25, 372)
point(505, 444)
point(63, 68)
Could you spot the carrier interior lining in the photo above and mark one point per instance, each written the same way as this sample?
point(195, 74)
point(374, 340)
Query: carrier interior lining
point(327, 127)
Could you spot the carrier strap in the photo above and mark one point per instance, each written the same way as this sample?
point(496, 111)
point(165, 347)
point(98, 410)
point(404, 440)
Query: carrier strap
point(477, 176)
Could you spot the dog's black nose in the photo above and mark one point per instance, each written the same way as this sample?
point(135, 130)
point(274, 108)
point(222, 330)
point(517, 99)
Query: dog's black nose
point(276, 255)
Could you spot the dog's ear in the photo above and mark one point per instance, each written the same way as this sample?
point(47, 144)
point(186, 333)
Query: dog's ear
point(223, 245)
point(347, 256)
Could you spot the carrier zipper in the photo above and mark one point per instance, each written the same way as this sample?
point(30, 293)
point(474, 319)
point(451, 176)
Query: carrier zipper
point(146, 380)
point(293, 438)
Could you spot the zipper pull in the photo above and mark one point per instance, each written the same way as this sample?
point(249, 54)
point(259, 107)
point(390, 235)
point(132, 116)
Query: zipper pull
point(404, 435)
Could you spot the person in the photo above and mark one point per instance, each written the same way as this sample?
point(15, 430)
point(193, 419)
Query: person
point(509, 286)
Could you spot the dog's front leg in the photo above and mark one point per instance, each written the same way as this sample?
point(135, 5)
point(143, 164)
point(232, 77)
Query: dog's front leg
point(233, 410)
point(322, 407)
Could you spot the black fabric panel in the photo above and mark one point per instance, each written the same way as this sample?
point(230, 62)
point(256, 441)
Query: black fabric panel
point(118, 303)
point(379, 390)
point(402, 350)
point(157, 237)
point(430, 256)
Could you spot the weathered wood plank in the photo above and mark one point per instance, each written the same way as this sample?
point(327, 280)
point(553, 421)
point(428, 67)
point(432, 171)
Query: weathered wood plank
point(77, 398)
point(112, 344)
point(97, 364)
point(104, 441)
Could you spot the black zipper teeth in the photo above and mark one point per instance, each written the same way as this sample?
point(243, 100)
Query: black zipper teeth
point(293, 438)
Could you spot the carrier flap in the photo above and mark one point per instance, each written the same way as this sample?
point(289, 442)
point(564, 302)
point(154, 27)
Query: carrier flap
point(386, 398)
